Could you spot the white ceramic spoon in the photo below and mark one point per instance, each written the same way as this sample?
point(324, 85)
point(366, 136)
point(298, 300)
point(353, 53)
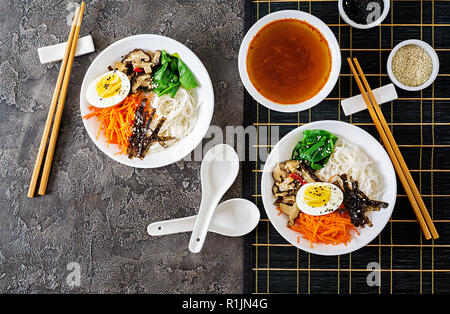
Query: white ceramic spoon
point(232, 218)
point(219, 169)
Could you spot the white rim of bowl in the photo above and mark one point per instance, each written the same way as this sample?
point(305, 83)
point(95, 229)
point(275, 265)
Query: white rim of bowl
point(431, 52)
point(310, 126)
point(161, 163)
point(333, 46)
point(387, 5)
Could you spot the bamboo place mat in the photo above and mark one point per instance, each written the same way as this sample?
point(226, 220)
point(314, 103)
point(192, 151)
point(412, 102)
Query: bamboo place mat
point(420, 123)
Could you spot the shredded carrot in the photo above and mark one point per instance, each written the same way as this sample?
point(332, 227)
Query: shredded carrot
point(332, 178)
point(334, 228)
point(117, 121)
point(279, 211)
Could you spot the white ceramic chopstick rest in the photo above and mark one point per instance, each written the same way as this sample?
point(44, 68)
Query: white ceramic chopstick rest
point(356, 103)
point(219, 169)
point(56, 52)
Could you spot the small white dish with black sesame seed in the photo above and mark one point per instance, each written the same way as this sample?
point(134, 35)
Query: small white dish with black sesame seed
point(370, 12)
point(413, 65)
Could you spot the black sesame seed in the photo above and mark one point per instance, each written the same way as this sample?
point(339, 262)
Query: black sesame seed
point(357, 10)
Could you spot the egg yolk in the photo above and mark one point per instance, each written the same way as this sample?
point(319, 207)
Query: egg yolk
point(109, 85)
point(317, 195)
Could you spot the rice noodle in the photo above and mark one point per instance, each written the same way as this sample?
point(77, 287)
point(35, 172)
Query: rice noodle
point(348, 158)
point(180, 112)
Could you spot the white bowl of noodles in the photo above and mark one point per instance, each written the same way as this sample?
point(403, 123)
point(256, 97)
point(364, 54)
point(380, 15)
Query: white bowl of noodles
point(202, 97)
point(370, 155)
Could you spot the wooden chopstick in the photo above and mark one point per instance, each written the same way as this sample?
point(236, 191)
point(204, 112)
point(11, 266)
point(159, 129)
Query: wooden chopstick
point(60, 107)
point(51, 111)
point(391, 147)
point(398, 154)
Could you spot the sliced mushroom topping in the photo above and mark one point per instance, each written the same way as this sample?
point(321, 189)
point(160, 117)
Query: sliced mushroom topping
point(285, 187)
point(138, 66)
point(279, 174)
point(291, 165)
point(275, 189)
point(124, 68)
point(144, 81)
point(147, 67)
point(286, 184)
point(136, 55)
point(281, 194)
point(290, 199)
point(139, 59)
point(120, 66)
point(292, 211)
point(283, 169)
point(156, 58)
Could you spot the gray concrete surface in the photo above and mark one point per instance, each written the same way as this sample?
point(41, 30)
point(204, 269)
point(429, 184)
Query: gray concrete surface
point(96, 210)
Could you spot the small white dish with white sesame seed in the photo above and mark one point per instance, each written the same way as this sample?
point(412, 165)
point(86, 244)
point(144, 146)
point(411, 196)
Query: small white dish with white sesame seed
point(431, 52)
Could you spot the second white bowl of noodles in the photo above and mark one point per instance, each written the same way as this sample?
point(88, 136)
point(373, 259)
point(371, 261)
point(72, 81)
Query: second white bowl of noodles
point(371, 147)
point(203, 94)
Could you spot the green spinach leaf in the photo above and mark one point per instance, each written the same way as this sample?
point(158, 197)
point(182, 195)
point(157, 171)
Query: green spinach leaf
point(187, 79)
point(171, 74)
point(316, 147)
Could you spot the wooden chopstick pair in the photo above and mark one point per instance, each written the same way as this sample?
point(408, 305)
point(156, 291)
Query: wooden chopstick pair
point(425, 221)
point(58, 100)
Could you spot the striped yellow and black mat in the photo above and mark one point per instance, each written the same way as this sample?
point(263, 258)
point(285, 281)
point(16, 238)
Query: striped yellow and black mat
point(420, 122)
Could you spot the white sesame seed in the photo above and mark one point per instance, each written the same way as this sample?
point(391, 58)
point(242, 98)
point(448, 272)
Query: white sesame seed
point(412, 65)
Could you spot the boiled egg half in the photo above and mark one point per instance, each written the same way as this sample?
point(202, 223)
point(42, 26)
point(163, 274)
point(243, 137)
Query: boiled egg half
point(108, 89)
point(319, 198)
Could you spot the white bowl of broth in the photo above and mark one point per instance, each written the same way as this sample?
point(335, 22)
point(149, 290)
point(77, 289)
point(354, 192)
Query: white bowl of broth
point(289, 61)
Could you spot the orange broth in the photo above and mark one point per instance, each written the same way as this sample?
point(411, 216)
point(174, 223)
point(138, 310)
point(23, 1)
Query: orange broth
point(288, 61)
